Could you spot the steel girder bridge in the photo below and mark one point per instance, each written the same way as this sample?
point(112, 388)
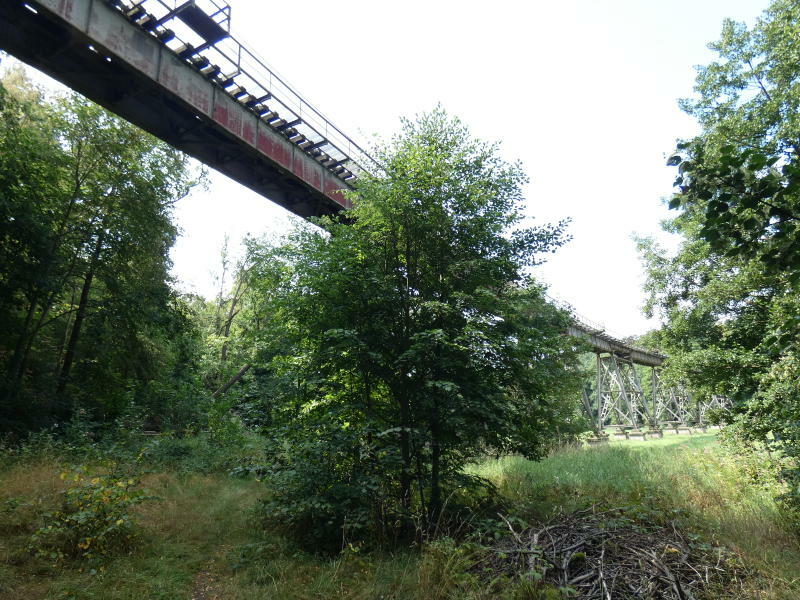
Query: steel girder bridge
point(628, 398)
point(172, 68)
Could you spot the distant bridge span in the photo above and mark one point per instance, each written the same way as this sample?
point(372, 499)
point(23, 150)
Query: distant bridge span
point(620, 397)
point(602, 342)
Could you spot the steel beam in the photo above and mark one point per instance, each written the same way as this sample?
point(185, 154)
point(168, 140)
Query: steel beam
point(92, 48)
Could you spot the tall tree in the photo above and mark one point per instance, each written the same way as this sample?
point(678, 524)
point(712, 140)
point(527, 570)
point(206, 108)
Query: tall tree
point(732, 293)
point(417, 340)
point(742, 174)
point(86, 233)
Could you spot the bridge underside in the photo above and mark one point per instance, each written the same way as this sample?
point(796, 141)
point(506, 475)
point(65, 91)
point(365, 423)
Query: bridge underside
point(603, 342)
point(70, 55)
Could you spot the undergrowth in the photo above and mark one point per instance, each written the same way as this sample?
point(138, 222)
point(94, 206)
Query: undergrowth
point(714, 493)
point(92, 520)
point(203, 532)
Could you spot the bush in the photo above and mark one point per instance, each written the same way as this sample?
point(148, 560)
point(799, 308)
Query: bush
point(94, 519)
point(334, 490)
point(324, 493)
point(204, 453)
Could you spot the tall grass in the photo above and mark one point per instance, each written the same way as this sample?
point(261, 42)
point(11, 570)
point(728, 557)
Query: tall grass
point(691, 479)
point(202, 534)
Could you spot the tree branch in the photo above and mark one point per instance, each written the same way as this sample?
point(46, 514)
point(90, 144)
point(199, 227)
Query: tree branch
point(231, 381)
point(758, 80)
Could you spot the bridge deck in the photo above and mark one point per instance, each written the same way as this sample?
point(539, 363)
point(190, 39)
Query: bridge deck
point(204, 93)
point(212, 99)
point(601, 341)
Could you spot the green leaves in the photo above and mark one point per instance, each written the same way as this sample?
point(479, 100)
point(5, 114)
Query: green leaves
point(731, 293)
point(412, 339)
point(87, 315)
point(94, 521)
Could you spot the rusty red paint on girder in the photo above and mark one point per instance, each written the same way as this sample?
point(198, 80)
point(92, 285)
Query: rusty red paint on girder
point(274, 148)
point(185, 84)
point(307, 172)
point(249, 130)
point(117, 39)
point(335, 191)
point(228, 114)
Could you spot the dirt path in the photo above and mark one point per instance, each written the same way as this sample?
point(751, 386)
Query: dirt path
point(204, 587)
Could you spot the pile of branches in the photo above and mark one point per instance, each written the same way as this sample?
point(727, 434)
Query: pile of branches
point(604, 554)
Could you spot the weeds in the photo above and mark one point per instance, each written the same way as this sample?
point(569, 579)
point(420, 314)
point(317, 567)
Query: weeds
point(204, 531)
point(94, 519)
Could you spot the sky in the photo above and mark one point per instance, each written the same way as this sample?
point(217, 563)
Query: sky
point(583, 92)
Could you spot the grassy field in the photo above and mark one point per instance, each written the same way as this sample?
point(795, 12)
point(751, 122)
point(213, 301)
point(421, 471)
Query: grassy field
point(201, 540)
point(689, 476)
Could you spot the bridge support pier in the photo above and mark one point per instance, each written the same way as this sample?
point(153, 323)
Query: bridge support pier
point(619, 393)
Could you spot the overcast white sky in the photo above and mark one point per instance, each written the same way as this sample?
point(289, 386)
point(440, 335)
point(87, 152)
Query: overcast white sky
point(582, 91)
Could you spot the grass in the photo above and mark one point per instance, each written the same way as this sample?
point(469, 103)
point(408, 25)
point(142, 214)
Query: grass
point(201, 540)
point(689, 477)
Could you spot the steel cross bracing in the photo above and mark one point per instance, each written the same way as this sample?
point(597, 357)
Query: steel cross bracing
point(621, 399)
point(673, 405)
point(716, 402)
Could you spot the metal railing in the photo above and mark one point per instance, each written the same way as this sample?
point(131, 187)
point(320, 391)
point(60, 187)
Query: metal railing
point(248, 79)
point(595, 328)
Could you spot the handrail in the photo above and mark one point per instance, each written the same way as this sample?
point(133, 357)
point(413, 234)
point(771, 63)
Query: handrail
point(595, 328)
point(237, 68)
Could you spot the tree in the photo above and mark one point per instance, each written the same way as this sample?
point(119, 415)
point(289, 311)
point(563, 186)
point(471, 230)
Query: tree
point(742, 174)
point(730, 296)
point(415, 340)
point(86, 230)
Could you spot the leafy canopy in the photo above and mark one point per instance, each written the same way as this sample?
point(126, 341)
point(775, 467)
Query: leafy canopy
point(731, 295)
point(409, 338)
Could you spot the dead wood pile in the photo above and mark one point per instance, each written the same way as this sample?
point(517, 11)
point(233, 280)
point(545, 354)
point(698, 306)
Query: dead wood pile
point(604, 554)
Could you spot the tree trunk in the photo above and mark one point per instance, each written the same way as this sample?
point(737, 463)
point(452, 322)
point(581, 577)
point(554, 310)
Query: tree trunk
point(17, 362)
point(405, 452)
point(80, 315)
point(19, 358)
point(231, 381)
point(436, 455)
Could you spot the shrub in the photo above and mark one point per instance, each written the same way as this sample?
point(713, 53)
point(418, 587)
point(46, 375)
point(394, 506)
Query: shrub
point(93, 520)
point(327, 492)
point(202, 453)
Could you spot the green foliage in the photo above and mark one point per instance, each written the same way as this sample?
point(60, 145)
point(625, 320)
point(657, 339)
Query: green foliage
point(731, 295)
point(723, 498)
point(406, 339)
point(241, 453)
point(201, 539)
point(747, 202)
point(94, 519)
point(87, 316)
point(324, 491)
